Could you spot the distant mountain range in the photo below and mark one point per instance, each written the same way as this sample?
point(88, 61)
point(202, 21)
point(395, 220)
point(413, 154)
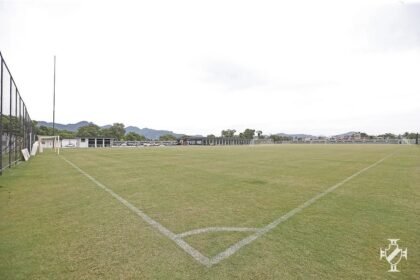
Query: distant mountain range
point(70, 127)
point(303, 136)
point(346, 134)
point(146, 132)
point(150, 133)
point(295, 135)
point(155, 134)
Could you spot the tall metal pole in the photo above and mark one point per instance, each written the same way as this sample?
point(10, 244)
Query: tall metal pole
point(10, 120)
point(54, 102)
point(1, 114)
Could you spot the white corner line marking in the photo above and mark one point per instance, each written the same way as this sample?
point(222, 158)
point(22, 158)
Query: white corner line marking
point(215, 229)
point(247, 240)
point(177, 238)
point(166, 232)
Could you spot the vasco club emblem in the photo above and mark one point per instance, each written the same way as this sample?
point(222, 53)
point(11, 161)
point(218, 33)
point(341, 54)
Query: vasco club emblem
point(393, 254)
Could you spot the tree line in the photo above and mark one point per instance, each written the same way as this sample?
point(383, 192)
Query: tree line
point(246, 134)
point(250, 134)
point(116, 131)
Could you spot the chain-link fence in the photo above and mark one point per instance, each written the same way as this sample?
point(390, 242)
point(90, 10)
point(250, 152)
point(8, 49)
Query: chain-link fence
point(15, 124)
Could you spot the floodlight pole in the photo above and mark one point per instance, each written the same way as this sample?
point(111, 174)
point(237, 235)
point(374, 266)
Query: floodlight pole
point(54, 104)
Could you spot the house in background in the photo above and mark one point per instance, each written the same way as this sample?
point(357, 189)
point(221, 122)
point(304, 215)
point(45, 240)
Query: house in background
point(47, 143)
point(88, 142)
point(80, 142)
point(70, 143)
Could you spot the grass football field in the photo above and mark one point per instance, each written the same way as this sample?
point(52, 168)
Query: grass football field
point(229, 212)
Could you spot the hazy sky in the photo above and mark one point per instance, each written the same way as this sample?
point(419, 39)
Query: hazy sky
point(197, 67)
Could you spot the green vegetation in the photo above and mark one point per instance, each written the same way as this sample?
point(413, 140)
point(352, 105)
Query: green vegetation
point(48, 131)
point(278, 138)
point(167, 137)
point(132, 136)
point(116, 131)
point(56, 224)
point(228, 133)
point(247, 134)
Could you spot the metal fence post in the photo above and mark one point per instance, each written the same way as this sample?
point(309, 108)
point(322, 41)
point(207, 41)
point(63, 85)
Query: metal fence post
point(1, 114)
point(10, 118)
point(16, 124)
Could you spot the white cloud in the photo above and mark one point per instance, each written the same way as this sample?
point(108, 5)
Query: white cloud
point(200, 67)
point(231, 75)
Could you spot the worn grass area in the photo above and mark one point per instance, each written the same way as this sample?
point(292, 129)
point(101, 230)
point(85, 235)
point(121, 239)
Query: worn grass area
point(57, 224)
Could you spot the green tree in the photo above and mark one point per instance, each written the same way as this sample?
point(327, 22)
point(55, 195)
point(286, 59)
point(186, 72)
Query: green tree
point(275, 138)
point(167, 137)
point(45, 131)
point(65, 134)
point(259, 133)
point(388, 136)
point(132, 136)
point(211, 136)
point(410, 135)
point(48, 131)
point(117, 131)
point(247, 134)
point(278, 138)
point(106, 132)
point(34, 127)
point(90, 130)
point(228, 133)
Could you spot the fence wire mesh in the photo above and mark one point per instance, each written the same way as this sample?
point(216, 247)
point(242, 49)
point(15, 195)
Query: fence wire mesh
point(16, 128)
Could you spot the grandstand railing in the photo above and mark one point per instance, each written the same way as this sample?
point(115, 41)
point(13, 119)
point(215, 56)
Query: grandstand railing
point(16, 127)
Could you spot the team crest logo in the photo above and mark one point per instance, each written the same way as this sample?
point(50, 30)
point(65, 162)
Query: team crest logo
point(393, 254)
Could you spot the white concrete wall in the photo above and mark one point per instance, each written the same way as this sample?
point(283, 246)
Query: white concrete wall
point(70, 143)
point(47, 143)
point(84, 144)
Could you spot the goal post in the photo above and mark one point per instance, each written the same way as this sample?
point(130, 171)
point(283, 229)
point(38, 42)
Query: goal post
point(49, 142)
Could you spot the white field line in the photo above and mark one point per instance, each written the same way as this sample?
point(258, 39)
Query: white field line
point(166, 232)
point(234, 248)
point(215, 229)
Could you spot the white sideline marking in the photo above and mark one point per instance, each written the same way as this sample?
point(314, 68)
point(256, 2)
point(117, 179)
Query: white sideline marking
point(166, 232)
point(234, 248)
point(215, 229)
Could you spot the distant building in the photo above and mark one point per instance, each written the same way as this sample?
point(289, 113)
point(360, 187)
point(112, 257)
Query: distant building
point(357, 136)
point(70, 143)
point(47, 143)
point(213, 141)
point(88, 142)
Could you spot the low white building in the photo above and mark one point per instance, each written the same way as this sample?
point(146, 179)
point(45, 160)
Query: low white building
point(88, 142)
point(100, 142)
point(70, 143)
point(47, 143)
